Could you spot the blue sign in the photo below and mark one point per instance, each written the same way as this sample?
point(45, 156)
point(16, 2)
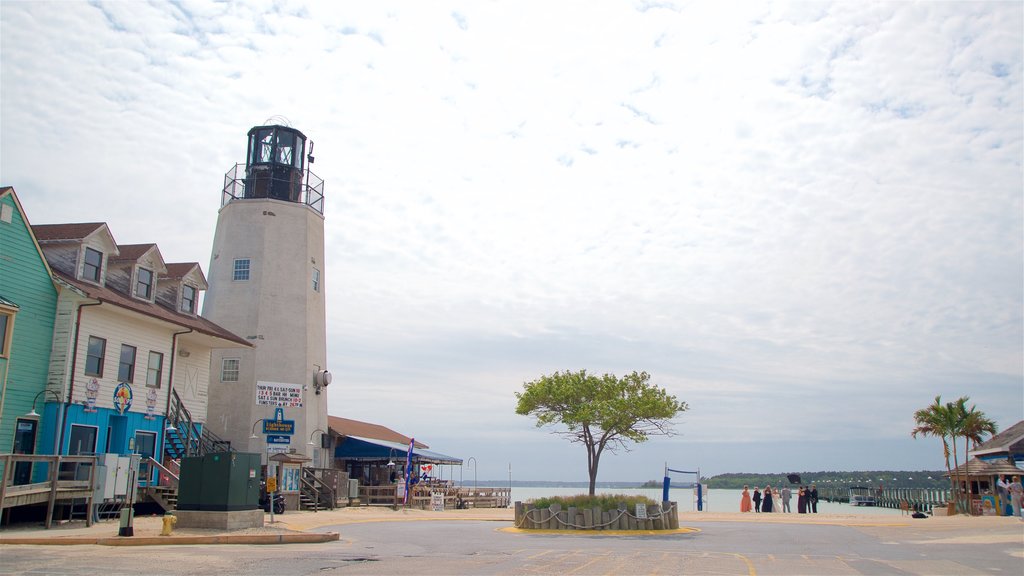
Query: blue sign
point(279, 439)
point(279, 427)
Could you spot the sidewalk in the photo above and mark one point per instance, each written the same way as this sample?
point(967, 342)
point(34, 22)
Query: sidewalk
point(294, 527)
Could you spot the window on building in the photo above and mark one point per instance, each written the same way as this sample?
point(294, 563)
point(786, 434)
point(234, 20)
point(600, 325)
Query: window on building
point(126, 366)
point(241, 272)
point(6, 327)
point(145, 444)
point(144, 283)
point(155, 369)
point(229, 370)
point(316, 280)
point(93, 264)
point(188, 299)
point(94, 356)
point(82, 440)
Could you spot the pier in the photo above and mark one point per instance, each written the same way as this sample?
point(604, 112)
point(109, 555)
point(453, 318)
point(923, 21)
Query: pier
point(917, 499)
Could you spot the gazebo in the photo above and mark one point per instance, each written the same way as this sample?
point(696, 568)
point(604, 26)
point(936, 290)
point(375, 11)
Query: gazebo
point(981, 476)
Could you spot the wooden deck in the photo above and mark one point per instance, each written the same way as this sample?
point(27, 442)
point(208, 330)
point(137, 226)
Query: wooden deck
point(52, 490)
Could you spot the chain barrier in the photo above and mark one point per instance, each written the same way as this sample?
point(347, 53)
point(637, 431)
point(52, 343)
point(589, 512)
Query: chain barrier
point(554, 516)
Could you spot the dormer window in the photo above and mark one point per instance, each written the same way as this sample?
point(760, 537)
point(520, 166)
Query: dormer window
point(188, 299)
point(144, 284)
point(92, 265)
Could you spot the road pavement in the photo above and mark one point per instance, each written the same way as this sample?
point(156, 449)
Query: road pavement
point(383, 541)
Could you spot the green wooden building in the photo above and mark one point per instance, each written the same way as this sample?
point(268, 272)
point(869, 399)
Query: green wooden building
point(28, 303)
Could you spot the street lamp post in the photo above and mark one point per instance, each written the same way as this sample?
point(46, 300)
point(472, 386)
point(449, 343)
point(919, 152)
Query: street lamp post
point(271, 486)
point(473, 460)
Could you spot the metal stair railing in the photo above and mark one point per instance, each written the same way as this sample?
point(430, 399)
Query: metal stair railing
point(183, 437)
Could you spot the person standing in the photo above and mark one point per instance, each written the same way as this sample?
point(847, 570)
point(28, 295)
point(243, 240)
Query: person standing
point(812, 499)
point(745, 505)
point(801, 501)
point(1016, 495)
point(757, 499)
point(766, 504)
point(786, 496)
point(1003, 494)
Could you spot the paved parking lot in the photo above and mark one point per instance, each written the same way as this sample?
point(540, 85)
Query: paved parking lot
point(478, 542)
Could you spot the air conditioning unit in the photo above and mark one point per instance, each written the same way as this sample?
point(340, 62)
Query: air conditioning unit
point(353, 488)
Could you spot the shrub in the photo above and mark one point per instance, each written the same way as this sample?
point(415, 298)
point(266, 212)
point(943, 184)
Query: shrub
point(606, 502)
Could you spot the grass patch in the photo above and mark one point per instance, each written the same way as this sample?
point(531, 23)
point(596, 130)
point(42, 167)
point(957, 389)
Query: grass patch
point(606, 502)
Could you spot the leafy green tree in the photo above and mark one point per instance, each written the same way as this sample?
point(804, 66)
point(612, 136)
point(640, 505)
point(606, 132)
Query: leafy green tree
point(600, 412)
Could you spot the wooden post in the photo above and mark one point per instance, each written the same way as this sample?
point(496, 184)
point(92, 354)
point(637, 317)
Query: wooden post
point(6, 459)
point(92, 491)
point(53, 493)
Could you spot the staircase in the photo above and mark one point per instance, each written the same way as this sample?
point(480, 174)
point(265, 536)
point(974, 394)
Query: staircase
point(314, 493)
point(165, 496)
point(182, 438)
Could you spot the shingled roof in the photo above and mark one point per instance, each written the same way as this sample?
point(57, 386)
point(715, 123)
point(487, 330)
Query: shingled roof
point(151, 309)
point(59, 232)
point(348, 427)
point(1010, 441)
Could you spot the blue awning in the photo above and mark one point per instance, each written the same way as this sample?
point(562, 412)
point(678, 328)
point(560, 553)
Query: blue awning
point(369, 449)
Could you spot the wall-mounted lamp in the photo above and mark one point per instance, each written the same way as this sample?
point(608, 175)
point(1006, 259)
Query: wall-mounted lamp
point(33, 413)
point(320, 430)
point(254, 436)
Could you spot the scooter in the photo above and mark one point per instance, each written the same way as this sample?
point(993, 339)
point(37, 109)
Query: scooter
point(265, 500)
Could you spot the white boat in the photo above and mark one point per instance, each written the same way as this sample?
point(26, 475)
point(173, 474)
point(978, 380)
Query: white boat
point(861, 496)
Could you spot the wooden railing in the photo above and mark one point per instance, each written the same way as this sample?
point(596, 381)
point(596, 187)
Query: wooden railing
point(56, 487)
point(317, 490)
point(420, 497)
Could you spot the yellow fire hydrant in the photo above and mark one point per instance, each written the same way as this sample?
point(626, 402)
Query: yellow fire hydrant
point(169, 521)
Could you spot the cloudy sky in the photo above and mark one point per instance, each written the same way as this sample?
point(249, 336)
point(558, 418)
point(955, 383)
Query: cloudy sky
point(805, 220)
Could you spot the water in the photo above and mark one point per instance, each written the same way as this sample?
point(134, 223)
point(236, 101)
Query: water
point(714, 500)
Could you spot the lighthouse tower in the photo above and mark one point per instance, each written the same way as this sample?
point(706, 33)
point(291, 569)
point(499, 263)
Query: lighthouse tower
point(267, 279)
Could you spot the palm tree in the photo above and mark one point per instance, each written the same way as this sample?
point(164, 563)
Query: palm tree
point(972, 426)
point(937, 420)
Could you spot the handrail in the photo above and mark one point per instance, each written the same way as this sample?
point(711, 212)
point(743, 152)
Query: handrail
point(316, 485)
point(163, 469)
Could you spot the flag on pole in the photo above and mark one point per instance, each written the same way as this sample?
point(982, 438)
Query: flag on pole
point(408, 470)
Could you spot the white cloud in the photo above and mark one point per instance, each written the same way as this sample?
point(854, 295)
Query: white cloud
point(804, 219)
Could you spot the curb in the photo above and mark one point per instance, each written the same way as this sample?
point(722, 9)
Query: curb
point(303, 538)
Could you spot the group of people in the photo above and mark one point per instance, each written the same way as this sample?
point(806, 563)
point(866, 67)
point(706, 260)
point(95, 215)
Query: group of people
point(1012, 491)
point(778, 500)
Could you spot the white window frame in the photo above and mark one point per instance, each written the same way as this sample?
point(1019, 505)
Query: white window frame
point(159, 370)
point(85, 263)
point(131, 367)
point(191, 302)
point(95, 438)
point(316, 279)
point(239, 274)
point(148, 295)
point(6, 332)
point(102, 357)
point(225, 371)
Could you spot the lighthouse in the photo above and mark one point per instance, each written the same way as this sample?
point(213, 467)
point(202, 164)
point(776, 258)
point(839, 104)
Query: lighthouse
point(266, 284)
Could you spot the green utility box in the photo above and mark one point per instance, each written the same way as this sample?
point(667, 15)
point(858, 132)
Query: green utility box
point(220, 481)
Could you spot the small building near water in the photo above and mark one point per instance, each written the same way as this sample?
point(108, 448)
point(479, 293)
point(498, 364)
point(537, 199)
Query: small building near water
point(376, 455)
point(981, 476)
